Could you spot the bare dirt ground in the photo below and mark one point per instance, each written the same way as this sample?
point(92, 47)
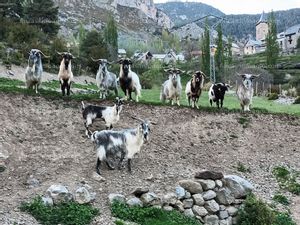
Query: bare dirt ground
point(46, 139)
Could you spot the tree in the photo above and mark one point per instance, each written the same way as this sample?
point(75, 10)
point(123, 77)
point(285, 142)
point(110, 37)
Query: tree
point(219, 57)
point(272, 50)
point(111, 37)
point(229, 51)
point(11, 9)
point(205, 48)
point(43, 14)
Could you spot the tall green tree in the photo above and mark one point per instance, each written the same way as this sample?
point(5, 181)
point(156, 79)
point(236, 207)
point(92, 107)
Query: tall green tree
point(111, 37)
point(229, 51)
point(219, 56)
point(43, 14)
point(272, 50)
point(205, 48)
point(11, 9)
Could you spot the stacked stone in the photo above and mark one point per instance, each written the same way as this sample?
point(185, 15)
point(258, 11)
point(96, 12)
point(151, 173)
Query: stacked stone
point(210, 197)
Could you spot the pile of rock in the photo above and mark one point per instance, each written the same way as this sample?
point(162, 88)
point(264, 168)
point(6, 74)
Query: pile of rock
point(212, 198)
point(58, 194)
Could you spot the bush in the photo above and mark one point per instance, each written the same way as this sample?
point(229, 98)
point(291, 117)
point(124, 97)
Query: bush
point(297, 100)
point(281, 199)
point(273, 96)
point(65, 213)
point(154, 76)
point(287, 179)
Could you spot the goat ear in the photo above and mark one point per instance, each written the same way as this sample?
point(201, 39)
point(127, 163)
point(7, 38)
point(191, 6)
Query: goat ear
point(180, 71)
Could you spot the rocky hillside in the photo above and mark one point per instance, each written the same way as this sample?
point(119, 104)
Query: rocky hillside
point(141, 16)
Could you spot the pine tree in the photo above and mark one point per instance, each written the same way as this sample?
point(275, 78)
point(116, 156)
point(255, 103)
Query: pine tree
point(272, 49)
point(11, 9)
point(43, 14)
point(111, 37)
point(219, 57)
point(229, 51)
point(205, 48)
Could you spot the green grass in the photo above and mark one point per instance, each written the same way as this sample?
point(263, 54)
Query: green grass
point(65, 214)
point(244, 121)
point(150, 216)
point(287, 179)
point(242, 168)
point(281, 199)
point(151, 96)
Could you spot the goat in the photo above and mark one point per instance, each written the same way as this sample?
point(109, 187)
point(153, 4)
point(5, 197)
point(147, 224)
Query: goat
point(110, 114)
point(129, 80)
point(216, 93)
point(194, 87)
point(65, 74)
point(245, 91)
point(105, 80)
point(126, 143)
point(34, 70)
point(171, 88)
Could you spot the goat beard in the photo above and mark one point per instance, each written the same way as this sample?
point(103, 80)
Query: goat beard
point(66, 65)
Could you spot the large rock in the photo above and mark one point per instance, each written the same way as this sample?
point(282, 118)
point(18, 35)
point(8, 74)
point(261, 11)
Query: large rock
point(188, 203)
point(116, 197)
point(138, 192)
point(189, 212)
point(225, 196)
point(212, 206)
point(209, 175)
point(238, 186)
point(135, 202)
point(198, 199)
point(59, 193)
point(208, 195)
point(149, 198)
point(211, 220)
point(232, 211)
point(207, 184)
point(180, 192)
point(199, 211)
point(169, 199)
point(223, 215)
point(191, 186)
point(83, 196)
point(179, 206)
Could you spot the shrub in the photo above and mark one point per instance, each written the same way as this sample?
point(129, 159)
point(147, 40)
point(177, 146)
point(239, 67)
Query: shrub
point(281, 199)
point(242, 168)
point(297, 100)
point(287, 179)
point(65, 213)
point(273, 96)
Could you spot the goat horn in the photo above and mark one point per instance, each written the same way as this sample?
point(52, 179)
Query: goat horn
point(46, 56)
point(95, 60)
point(60, 53)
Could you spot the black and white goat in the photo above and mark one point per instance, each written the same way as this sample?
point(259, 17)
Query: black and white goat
point(245, 91)
point(194, 87)
point(216, 93)
point(65, 74)
point(110, 114)
point(34, 70)
point(129, 80)
point(171, 88)
point(124, 143)
point(105, 80)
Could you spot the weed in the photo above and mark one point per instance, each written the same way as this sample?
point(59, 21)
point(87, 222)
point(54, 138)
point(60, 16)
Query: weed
point(65, 213)
point(281, 199)
point(242, 168)
point(287, 179)
point(245, 121)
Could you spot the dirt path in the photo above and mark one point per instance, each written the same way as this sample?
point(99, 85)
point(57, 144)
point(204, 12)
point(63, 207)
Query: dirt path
point(46, 139)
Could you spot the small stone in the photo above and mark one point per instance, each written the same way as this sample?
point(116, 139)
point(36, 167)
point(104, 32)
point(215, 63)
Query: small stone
point(223, 215)
point(212, 206)
point(2, 168)
point(98, 177)
point(225, 196)
point(238, 201)
point(187, 194)
point(168, 208)
point(191, 186)
point(207, 184)
point(209, 175)
point(59, 193)
point(179, 206)
point(199, 211)
point(83, 196)
point(198, 199)
point(189, 213)
point(224, 222)
point(149, 198)
point(116, 197)
point(150, 178)
point(138, 192)
point(33, 182)
point(169, 199)
point(188, 203)
point(135, 202)
point(209, 195)
point(47, 201)
point(211, 220)
point(232, 211)
point(180, 192)
point(219, 183)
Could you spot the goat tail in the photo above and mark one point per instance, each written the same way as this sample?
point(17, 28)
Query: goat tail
point(82, 106)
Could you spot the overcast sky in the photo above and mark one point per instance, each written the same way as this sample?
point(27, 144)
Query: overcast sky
point(249, 6)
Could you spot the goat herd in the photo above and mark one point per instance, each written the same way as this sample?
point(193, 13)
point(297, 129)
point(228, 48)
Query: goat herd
point(126, 143)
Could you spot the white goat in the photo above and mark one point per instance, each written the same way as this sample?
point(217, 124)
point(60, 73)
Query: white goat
point(34, 70)
point(105, 80)
point(125, 143)
point(171, 88)
point(129, 80)
point(110, 114)
point(245, 91)
point(65, 74)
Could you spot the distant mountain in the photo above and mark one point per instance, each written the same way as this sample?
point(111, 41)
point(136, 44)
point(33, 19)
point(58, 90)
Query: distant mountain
point(238, 26)
point(184, 12)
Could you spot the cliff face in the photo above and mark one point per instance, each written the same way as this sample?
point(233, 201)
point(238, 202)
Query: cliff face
point(132, 16)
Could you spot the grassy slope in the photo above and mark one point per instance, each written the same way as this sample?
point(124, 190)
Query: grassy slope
point(149, 97)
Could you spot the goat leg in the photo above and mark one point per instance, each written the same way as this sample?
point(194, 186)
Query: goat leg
point(98, 166)
point(129, 165)
point(121, 160)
